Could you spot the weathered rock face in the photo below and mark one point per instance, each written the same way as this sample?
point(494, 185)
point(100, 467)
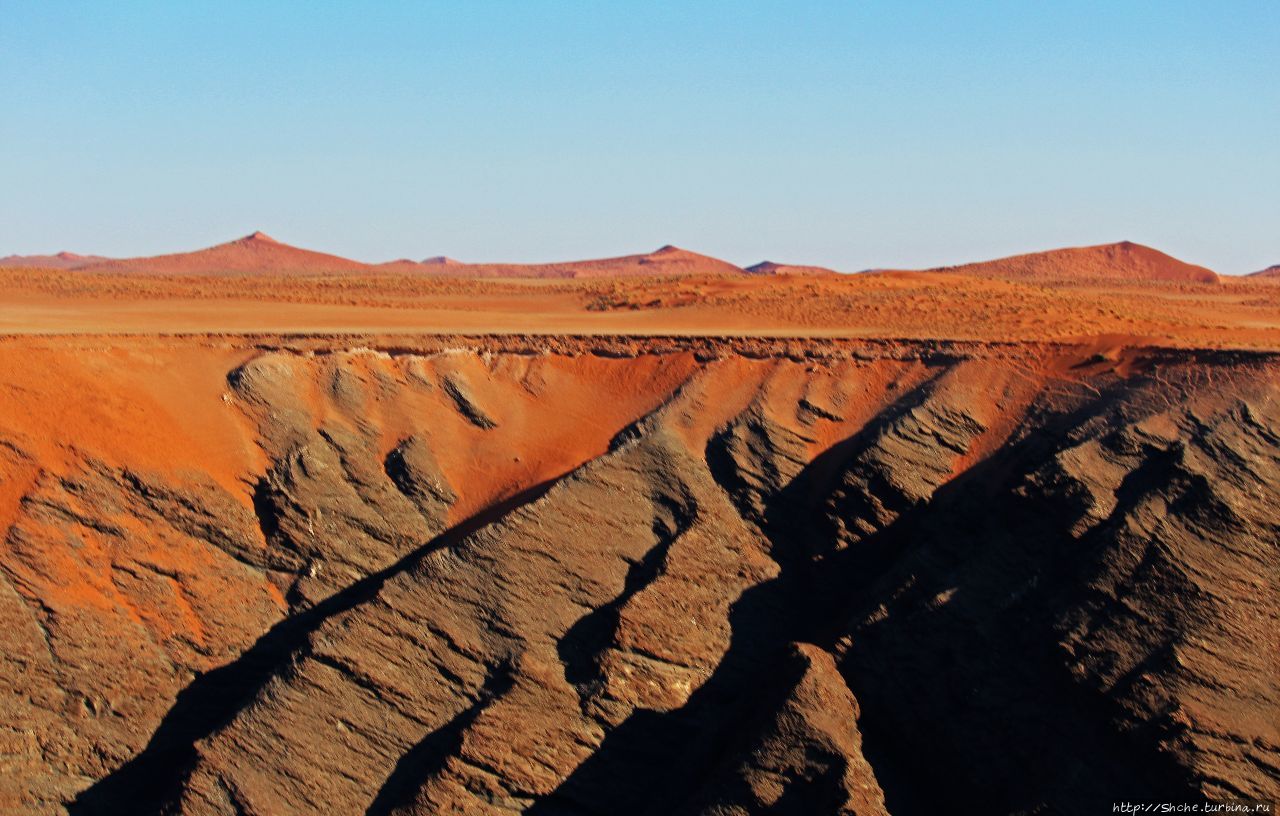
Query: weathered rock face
point(728, 579)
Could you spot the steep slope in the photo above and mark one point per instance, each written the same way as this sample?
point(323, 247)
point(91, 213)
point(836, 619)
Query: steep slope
point(624, 576)
point(1125, 261)
point(257, 253)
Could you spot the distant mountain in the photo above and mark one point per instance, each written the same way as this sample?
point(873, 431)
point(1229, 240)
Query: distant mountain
point(1125, 261)
point(668, 260)
point(429, 266)
point(252, 254)
point(261, 254)
point(771, 268)
point(63, 260)
point(1270, 272)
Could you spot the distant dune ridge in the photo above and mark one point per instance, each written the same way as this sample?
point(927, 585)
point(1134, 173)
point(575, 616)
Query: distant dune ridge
point(668, 260)
point(771, 268)
point(1123, 261)
point(62, 260)
point(259, 253)
point(1272, 271)
point(255, 253)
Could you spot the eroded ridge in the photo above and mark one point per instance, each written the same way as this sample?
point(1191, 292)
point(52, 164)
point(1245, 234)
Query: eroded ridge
point(595, 578)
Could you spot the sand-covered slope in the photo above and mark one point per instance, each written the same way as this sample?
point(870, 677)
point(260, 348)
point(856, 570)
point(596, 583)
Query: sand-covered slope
point(668, 260)
point(771, 268)
point(626, 576)
point(257, 253)
point(260, 254)
point(1235, 313)
point(1125, 261)
point(62, 260)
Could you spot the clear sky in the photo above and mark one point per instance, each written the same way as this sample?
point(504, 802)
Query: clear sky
point(851, 134)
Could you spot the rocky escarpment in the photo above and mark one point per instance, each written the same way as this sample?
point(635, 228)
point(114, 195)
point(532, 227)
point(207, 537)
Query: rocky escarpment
point(723, 578)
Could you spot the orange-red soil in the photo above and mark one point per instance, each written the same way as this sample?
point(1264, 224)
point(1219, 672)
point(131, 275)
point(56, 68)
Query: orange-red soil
point(1125, 261)
point(1239, 313)
point(771, 268)
point(256, 284)
point(286, 533)
point(62, 260)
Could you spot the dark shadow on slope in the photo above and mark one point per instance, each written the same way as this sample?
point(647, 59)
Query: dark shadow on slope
point(813, 786)
point(797, 522)
point(428, 756)
point(807, 797)
point(648, 754)
point(145, 783)
point(961, 681)
point(654, 761)
point(975, 684)
point(974, 680)
point(265, 509)
point(580, 647)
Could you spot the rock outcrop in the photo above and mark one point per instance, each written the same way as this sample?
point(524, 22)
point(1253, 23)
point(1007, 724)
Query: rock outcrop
point(704, 578)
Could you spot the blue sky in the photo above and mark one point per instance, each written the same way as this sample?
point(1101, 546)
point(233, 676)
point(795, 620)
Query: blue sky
point(852, 134)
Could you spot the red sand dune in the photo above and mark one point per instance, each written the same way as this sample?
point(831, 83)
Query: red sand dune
point(771, 268)
point(256, 253)
point(1272, 271)
point(1125, 261)
point(668, 260)
point(430, 265)
point(258, 284)
point(260, 254)
point(63, 260)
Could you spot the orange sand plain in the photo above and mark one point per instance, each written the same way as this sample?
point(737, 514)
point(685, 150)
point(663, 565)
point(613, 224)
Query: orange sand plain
point(1235, 313)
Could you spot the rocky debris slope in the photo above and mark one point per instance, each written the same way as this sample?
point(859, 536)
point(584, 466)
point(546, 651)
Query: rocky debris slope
point(868, 580)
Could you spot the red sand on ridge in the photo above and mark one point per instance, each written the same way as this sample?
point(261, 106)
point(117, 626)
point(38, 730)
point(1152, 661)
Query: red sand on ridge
point(1272, 271)
point(63, 260)
point(260, 254)
point(668, 260)
point(253, 253)
point(256, 284)
point(426, 265)
point(1125, 261)
point(771, 268)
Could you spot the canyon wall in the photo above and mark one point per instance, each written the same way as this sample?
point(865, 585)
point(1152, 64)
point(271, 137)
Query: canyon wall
point(633, 576)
